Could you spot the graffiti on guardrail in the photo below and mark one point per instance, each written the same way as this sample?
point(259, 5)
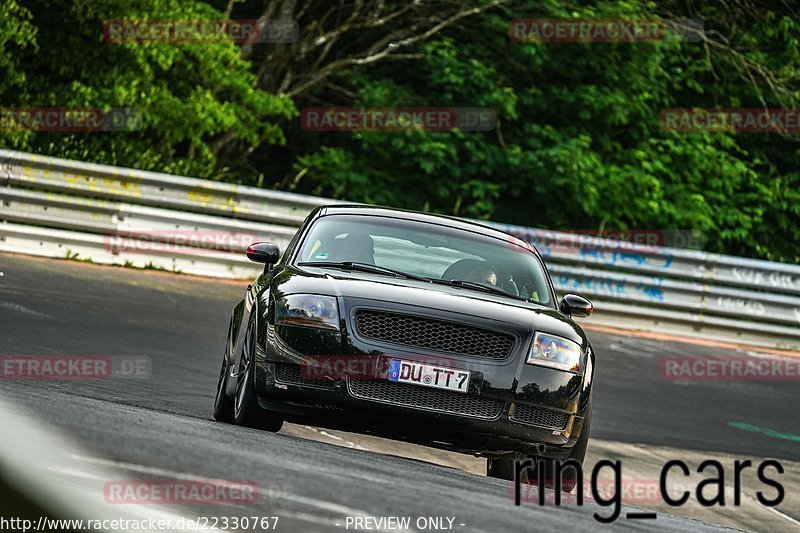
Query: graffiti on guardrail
point(613, 287)
point(641, 239)
point(760, 277)
point(120, 187)
point(43, 177)
point(643, 248)
point(605, 256)
point(741, 305)
point(210, 198)
point(591, 285)
point(655, 293)
point(617, 258)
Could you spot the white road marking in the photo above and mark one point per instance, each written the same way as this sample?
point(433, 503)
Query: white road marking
point(15, 308)
point(34, 456)
point(148, 469)
point(331, 507)
point(348, 443)
point(784, 516)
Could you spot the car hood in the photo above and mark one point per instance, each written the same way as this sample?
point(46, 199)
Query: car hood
point(494, 310)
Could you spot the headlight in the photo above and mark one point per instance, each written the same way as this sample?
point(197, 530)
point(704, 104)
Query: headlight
point(307, 310)
point(556, 352)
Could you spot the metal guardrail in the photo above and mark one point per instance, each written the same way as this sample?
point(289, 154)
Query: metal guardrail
point(90, 180)
point(660, 261)
point(63, 208)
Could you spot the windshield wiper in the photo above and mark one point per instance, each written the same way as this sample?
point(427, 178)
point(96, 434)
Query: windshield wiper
point(366, 267)
point(363, 267)
point(478, 287)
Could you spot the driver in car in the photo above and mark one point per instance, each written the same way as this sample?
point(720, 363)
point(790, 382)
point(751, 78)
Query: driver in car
point(356, 247)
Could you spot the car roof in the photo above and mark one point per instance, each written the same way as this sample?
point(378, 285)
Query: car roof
point(453, 222)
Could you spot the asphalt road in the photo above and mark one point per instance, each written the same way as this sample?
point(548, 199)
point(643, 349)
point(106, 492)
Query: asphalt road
point(161, 425)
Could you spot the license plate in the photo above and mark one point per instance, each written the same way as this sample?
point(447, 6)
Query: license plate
point(437, 377)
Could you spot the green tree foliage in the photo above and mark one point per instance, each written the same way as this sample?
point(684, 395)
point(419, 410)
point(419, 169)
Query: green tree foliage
point(578, 144)
point(187, 92)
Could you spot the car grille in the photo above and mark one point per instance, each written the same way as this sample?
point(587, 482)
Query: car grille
point(417, 397)
point(419, 332)
point(536, 416)
point(291, 375)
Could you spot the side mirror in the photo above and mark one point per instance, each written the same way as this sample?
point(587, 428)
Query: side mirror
point(575, 306)
point(264, 252)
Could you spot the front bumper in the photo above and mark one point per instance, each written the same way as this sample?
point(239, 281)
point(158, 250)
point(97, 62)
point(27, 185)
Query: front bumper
point(510, 406)
point(341, 404)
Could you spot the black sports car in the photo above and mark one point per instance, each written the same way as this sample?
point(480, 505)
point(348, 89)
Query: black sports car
point(424, 328)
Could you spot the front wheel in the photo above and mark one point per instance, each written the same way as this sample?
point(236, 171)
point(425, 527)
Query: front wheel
point(503, 468)
point(223, 404)
point(246, 411)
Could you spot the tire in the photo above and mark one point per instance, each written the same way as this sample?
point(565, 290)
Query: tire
point(504, 469)
point(223, 404)
point(579, 450)
point(500, 468)
point(569, 478)
point(246, 411)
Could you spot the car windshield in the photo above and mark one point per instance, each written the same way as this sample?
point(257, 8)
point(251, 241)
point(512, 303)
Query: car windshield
point(432, 251)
